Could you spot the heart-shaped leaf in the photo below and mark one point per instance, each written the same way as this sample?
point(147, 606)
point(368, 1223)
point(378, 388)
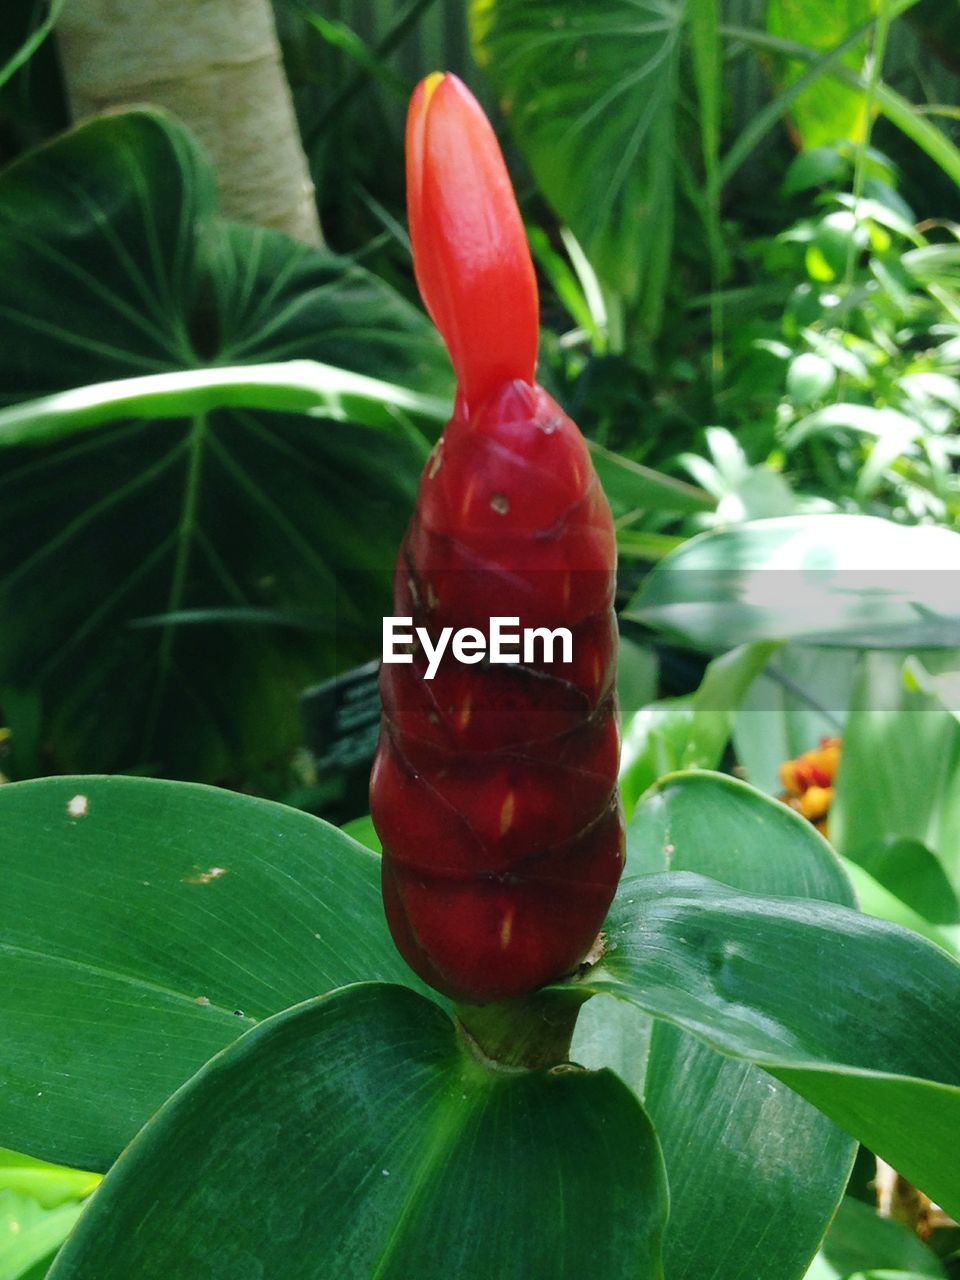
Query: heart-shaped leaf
point(354, 1136)
point(593, 89)
point(271, 534)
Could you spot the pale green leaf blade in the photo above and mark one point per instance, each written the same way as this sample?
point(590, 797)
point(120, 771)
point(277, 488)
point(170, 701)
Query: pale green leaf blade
point(844, 580)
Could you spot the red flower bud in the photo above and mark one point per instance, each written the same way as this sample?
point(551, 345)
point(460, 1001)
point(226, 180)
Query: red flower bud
point(470, 253)
point(494, 787)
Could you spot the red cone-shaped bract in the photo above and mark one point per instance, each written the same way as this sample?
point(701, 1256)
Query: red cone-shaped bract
point(494, 788)
point(470, 252)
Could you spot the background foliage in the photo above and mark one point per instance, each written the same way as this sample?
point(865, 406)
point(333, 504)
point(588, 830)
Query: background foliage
point(746, 222)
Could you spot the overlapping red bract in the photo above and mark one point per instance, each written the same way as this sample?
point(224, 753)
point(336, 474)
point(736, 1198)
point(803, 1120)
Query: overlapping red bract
point(494, 787)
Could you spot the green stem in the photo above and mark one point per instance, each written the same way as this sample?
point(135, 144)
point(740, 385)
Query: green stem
point(863, 146)
point(183, 547)
point(527, 1034)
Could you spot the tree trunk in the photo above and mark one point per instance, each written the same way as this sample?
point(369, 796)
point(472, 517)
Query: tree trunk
point(216, 65)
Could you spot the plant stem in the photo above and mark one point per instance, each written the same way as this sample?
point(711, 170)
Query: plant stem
point(528, 1034)
point(863, 146)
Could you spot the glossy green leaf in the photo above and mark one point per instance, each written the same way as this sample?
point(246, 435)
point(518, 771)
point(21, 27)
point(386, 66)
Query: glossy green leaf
point(723, 1123)
point(842, 580)
point(716, 826)
point(875, 899)
point(116, 266)
point(144, 925)
point(593, 88)
point(29, 1233)
point(859, 1238)
point(296, 386)
point(860, 1017)
point(355, 1137)
point(691, 731)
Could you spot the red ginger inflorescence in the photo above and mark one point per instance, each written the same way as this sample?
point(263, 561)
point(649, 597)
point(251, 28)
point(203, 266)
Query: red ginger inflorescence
point(494, 787)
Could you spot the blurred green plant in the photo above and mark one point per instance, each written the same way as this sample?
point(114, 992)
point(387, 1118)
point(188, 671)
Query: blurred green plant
point(189, 537)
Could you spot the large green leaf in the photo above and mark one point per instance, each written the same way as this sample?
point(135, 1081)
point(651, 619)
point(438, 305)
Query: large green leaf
point(840, 580)
point(355, 1137)
point(144, 925)
point(860, 1017)
point(739, 1146)
point(273, 531)
point(591, 93)
point(297, 386)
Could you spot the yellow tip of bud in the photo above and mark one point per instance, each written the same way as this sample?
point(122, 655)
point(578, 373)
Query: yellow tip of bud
point(431, 84)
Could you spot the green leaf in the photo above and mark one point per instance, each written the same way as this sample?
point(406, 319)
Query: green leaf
point(844, 580)
point(809, 378)
point(909, 119)
point(144, 925)
point(828, 111)
point(354, 1136)
point(32, 43)
point(801, 697)
point(638, 675)
point(722, 1123)
point(210, 489)
point(860, 1017)
point(897, 804)
point(719, 827)
point(632, 487)
point(593, 89)
point(30, 1233)
point(364, 832)
point(943, 685)
point(49, 1184)
point(296, 386)
point(876, 899)
point(688, 732)
point(860, 1238)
